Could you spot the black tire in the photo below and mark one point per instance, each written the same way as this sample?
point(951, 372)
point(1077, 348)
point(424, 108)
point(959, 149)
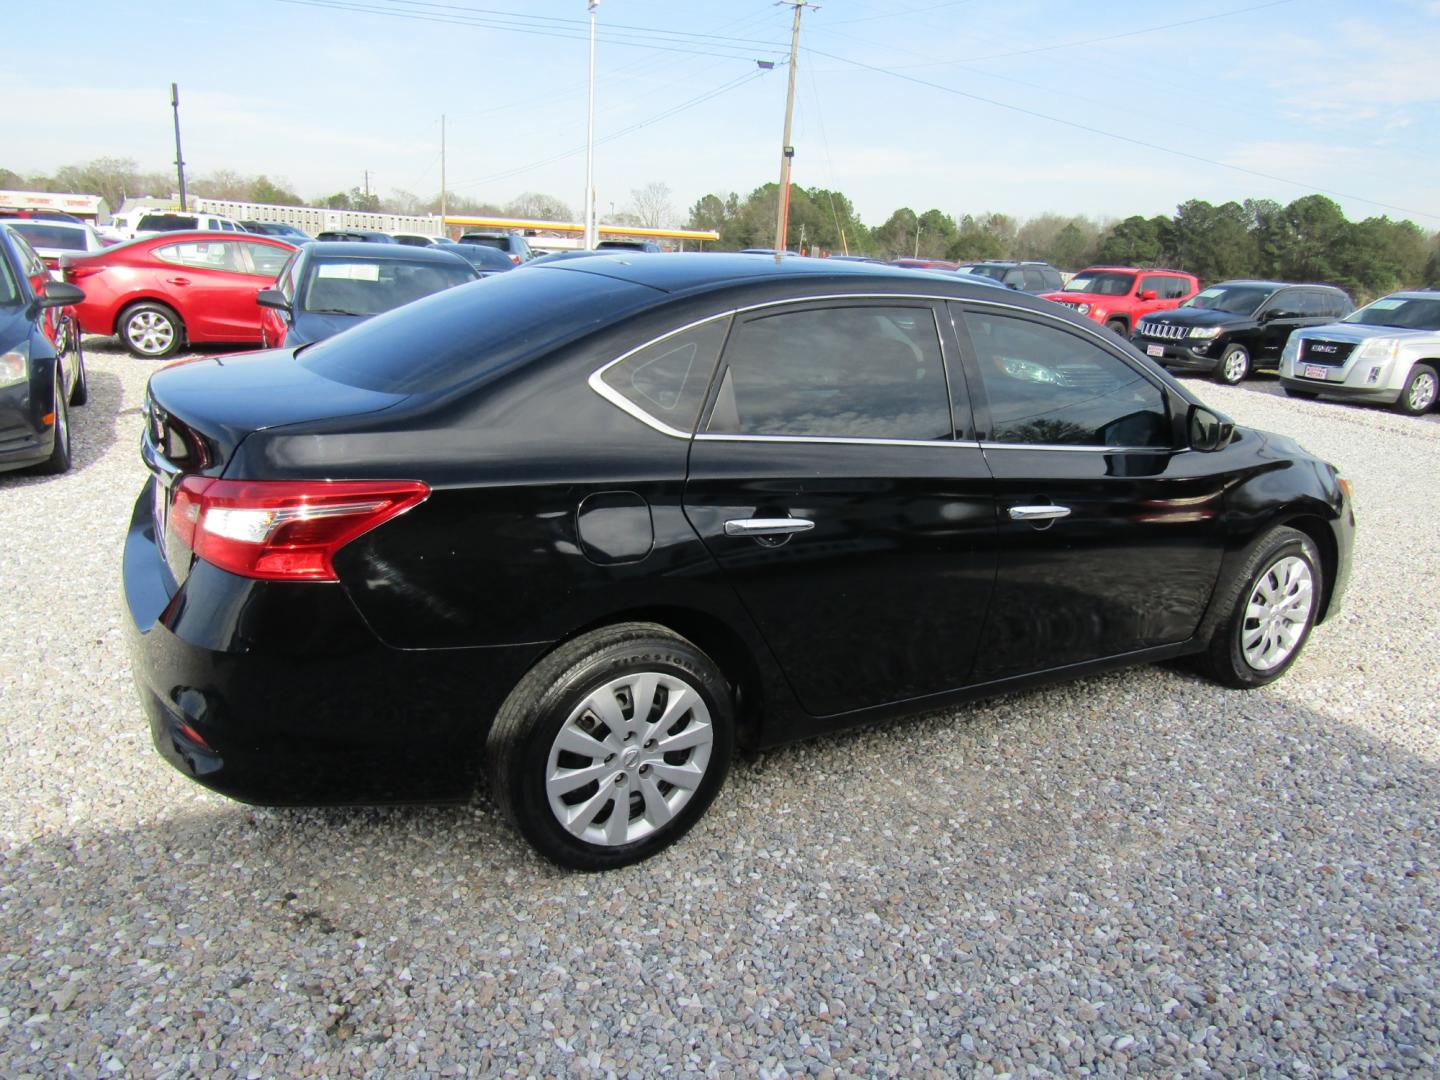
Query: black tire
point(1303, 395)
point(1233, 366)
point(150, 330)
point(519, 747)
point(59, 459)
point(1117, 326)
point(1226, 627)
point(80, 392)
point(1421, 390)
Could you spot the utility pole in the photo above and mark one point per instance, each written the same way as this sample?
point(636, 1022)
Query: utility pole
point(787, 152)
point(591, 237)
point(179, 157)
point(367, 185)
point(443, 231)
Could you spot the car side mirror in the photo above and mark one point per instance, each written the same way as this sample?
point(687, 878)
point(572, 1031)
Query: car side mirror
point(1209, 431)
point(60, 294)
point(1149, 294)
point(272, 298)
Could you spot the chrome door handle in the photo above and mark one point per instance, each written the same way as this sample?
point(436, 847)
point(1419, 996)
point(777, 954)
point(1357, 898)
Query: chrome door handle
point(767, 526)
point(1038, 513)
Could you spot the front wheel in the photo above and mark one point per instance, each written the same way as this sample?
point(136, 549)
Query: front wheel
point(151, 331)
point(611, 747)
point(1265, 618)
point(1117, 326)
point(80, 392)
point(59, 459)
point(1234, 365)
point(1419, 393)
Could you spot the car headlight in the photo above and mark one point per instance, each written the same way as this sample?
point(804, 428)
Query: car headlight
point(1291, 350)
point(13, 369)
point(1379, 349)
point(1205, 333)
point(1083, 309)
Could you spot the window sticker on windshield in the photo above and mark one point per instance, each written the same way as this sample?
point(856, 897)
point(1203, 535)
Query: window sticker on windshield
point(1208, 293)
point(349, 271)
point(1386, 305)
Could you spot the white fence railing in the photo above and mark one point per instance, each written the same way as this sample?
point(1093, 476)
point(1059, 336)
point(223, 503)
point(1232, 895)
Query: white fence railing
point(313, 219)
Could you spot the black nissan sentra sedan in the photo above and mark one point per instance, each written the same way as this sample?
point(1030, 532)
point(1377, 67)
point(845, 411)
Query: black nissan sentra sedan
point(591, 527)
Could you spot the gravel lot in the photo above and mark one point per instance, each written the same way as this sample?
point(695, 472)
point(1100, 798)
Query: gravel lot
point(1139, 873)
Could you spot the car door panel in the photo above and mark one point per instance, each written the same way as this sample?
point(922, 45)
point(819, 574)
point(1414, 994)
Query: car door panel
point(1132, 562)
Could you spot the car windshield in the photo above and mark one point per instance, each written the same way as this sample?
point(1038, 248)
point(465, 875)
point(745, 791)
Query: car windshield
point(995, 272)
point(1231, 299)
point(51, 236)
point(1405, 313)
point(1102, 283)
point(345, 286)
point(167, 223)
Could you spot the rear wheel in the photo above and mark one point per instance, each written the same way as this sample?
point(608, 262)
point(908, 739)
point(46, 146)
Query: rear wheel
point(1117, 326)
point(150, 330)
point(1263, 621)
point(611, 747)
point(1234, 365)
point(1419, 393)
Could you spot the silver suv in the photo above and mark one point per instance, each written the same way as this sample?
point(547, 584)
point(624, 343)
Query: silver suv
point(1386, 352)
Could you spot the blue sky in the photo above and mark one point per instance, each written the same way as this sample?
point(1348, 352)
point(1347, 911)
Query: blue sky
point(1340, 96)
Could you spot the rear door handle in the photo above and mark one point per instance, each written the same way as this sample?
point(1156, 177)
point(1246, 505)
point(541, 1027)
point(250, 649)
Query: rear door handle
point(177, 281)
point(1038, 513)
point(767, 526)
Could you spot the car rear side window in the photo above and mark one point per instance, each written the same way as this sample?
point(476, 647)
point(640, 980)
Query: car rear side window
point(667, 379)
point(835, 372)
point(203, 255)
point(166, 223)
point(1049, 386)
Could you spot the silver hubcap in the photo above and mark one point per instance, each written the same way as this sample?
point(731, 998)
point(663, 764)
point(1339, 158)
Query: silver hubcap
point(150, 332)
point(1234, 365)
point(628, 758)
point(1422, 392)
point(1277, 614)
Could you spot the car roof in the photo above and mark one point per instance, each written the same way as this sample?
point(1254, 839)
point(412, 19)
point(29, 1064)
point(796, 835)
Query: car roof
point(700, 271)
point(363, 249)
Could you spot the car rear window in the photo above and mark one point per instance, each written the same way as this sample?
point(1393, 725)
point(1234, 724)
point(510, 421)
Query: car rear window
point(346, 286)
point(501, 242)
point(51, 236)
point(167, 222)
point(475, 331)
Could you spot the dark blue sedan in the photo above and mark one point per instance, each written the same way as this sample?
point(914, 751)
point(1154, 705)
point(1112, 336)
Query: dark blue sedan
point(329, 287)
point(42, 370)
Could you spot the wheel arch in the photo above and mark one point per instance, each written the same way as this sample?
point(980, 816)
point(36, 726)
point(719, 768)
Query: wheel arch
point(1320, 533)
point(130, 301)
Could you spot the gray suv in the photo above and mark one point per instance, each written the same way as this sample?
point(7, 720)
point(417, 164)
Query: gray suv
point(1387, 352)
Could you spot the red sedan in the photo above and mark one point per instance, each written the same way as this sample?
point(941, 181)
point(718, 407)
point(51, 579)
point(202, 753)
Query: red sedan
point(158, 293)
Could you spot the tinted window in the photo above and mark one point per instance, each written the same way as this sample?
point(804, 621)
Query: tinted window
point(1337, 304)
point(166, 223)
point(1409, 313)
point(1179, 288)
point(857, 372)
point(51, 236)
point(1048, 386)
point(203, 255)
point(1034, 280)
point(1052, 278)
point(1231, 299)
point(1158, 282)
point(1287, 302)
point(668, 379)
point(1102, 283)
point(501, 242)
point(345, 286)
point(267, 261)
point(476, 331)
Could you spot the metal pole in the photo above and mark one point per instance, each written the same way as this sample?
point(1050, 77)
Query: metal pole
point(917, 233)
point(590, 235)
point(787, 152)
point(443, 231)
point(179, 157)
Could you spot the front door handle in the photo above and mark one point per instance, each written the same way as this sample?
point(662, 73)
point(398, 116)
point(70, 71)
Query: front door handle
point(177, 280)
point(767, 526)
point(1038, 513)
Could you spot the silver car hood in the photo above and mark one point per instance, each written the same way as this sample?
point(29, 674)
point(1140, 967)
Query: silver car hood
point(1359, 333)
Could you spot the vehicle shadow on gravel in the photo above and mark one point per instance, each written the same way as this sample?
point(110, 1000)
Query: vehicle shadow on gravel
point(1138, 853)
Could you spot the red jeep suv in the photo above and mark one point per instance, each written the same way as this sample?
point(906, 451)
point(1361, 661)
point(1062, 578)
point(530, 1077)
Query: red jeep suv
point(1119, 296)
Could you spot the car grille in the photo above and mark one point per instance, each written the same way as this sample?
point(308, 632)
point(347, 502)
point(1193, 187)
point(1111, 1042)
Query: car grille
point(1318, 351)
point(1163, 331)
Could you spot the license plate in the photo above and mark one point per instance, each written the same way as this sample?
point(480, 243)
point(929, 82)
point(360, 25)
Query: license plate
point(1154, 350)
point(1316, 372)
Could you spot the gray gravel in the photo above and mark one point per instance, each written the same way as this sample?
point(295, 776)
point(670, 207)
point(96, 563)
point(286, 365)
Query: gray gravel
point(1138, 873)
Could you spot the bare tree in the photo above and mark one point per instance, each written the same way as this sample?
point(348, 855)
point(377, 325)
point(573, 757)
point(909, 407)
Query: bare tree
point(535, 204)
point(651, 204)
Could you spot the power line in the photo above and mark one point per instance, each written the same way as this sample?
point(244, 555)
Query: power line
point(895, 74)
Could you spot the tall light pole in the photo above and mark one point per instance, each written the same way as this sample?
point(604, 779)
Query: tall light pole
point(917, 232)
point(179, 157)
point(787, 152)
point(443, 230)
point(590, 236)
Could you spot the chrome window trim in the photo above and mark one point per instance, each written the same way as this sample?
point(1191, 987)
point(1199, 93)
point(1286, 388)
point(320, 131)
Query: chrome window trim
point(841, 440)
point(1084, 449)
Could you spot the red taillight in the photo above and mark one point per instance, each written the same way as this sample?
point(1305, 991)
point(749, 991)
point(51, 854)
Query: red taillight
point(285, 530)
point(74, 271)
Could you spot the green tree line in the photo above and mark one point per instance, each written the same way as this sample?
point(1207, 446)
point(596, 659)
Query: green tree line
point(1308, 240)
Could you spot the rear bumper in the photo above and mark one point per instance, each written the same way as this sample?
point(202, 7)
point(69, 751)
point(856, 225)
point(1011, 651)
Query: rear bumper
point(279, 694)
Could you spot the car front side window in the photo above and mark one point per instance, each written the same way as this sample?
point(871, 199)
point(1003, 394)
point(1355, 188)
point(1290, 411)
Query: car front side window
point(872, 372)
point(1049, 386)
